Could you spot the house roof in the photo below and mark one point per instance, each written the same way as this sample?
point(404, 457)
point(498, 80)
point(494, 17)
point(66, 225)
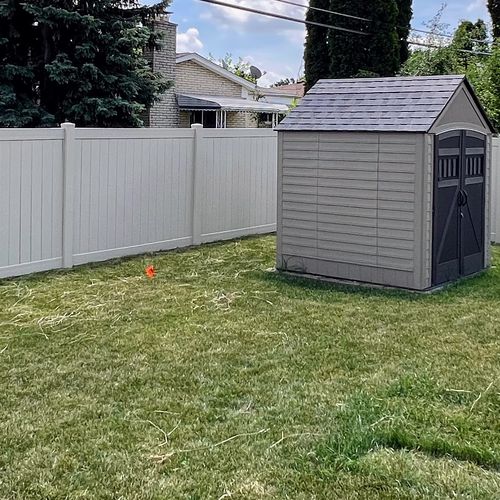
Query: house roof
point(211, 66)
point(283, 91)
point(194, 102)
point(292, 90)
point(400, 104)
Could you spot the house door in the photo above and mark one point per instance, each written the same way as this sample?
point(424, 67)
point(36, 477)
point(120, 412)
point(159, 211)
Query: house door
point(459, 205)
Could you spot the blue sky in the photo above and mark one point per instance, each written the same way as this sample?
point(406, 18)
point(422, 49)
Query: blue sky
point(276, 46)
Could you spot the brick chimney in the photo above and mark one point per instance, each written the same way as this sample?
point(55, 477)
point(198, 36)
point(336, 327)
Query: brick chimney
point(165, 113)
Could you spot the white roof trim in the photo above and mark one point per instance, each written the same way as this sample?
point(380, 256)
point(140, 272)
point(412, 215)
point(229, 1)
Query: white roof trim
point(211, 66)
point(238, 104)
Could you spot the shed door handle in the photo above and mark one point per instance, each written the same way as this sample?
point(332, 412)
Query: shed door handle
point(466, 197)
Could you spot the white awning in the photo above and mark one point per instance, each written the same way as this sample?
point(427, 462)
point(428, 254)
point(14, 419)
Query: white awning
point(193, 102)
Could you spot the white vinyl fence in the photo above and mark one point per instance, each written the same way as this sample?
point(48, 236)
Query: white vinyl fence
point(495, 198)
point(70, 196)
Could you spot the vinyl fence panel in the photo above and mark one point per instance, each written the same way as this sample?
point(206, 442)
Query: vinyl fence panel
point(133, 192)
point(495, 199)
point(31, 177)
point(238, 175)
point(71, 196)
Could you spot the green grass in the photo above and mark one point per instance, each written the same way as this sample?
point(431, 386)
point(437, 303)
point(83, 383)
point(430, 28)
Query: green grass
point(220, 379)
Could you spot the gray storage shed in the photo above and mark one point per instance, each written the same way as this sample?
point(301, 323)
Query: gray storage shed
point(386, 181)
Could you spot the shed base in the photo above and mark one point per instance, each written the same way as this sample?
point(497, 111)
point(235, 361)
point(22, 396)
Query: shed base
point(374, 286)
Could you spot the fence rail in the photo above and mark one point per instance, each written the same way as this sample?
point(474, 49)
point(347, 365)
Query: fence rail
point(71, 196)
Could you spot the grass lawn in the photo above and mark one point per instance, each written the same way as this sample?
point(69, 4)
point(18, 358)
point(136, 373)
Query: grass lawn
point(219, 379)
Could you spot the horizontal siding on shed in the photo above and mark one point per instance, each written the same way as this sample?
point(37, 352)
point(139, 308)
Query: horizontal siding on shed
point(350, 200)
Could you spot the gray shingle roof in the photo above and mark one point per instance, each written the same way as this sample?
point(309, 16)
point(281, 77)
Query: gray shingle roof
point(400, 104)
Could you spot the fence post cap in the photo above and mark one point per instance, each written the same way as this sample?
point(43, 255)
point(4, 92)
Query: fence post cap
point(196, 125)
point(68, 125)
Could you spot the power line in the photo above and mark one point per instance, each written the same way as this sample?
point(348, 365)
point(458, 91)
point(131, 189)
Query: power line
point(327, 26)
point(324, 10)
point(433, 46)
point(451, 37)
point(443, 35)
point(280, 16)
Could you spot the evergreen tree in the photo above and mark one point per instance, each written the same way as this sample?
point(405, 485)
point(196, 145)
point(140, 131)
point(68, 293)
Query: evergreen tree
point(18, 90)
point(494, 8)
point(316, 55)
point(374, 54)
point(383, 44)
point(405, 13)
point(81, 60)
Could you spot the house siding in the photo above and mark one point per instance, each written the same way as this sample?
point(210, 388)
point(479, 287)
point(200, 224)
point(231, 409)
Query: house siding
point(193, 78)
point(350, 206)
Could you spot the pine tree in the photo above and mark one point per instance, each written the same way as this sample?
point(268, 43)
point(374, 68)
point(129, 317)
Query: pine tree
point(18, 89)
point(316, 55)
point(405, 13)
point(86, 61)
point(494, 8)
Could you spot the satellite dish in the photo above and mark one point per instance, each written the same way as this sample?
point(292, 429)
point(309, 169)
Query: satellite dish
point(255, 72)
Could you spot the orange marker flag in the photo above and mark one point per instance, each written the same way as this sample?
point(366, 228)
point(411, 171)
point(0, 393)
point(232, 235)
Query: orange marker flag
point(150, 272)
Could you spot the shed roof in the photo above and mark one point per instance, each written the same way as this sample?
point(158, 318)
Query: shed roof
point(399, 104)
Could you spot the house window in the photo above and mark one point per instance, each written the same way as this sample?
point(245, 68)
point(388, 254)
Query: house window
point(207, 118)
point(269, 120)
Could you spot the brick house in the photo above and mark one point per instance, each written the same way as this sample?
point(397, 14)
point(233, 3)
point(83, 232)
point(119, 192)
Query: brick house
point(204, 92)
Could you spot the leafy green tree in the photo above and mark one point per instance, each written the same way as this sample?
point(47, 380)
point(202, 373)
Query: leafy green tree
point(316, 54)
point(470, 37)
point(493, 104)
point(494, 8)
point(238, 67)
point(482, 70)
point(81, 60)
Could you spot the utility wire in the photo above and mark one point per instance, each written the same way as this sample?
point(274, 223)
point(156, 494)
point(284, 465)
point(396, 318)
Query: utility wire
point(280, 16)
point(433, 46)
point(327, 26)
point(444, 35)
point(324, 10)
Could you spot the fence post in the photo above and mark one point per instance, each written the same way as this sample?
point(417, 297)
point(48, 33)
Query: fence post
point(68, 194)
point(197, 183)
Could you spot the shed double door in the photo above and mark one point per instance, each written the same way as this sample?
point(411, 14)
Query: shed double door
point(459, 205)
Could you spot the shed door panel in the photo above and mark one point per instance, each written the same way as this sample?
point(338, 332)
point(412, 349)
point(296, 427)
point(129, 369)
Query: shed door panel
point(473, 216)
point(459, 205)
point(446, 254)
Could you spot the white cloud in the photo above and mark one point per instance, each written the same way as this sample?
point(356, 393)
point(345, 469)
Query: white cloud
point(271, 77)
point(189, 41)
point(476, 5)
point(280, 70)
point(247, 22)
